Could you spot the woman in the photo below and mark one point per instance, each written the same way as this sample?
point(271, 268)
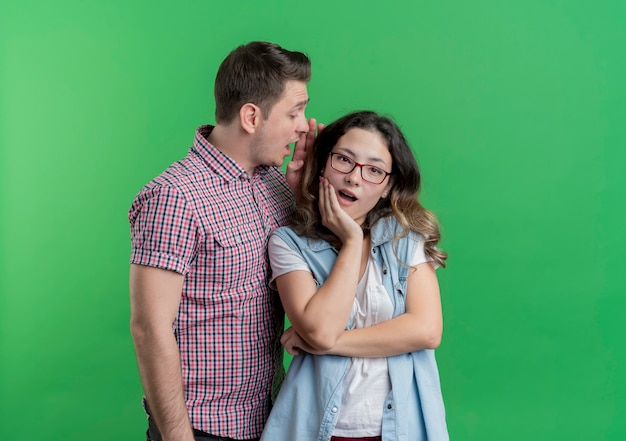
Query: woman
point(356, 275)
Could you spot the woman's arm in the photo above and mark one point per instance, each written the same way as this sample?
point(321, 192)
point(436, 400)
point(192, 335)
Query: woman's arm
point(320, 315)
point(420, 327)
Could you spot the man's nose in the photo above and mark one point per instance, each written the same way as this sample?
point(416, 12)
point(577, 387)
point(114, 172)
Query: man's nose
point(303, 124)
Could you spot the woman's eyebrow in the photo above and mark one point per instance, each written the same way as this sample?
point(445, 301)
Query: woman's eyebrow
point(369, 160)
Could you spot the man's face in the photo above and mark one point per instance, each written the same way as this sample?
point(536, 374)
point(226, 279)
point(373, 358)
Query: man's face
point(285, 124)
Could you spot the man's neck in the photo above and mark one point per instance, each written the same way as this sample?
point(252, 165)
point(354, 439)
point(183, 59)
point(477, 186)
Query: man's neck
point(231, 141)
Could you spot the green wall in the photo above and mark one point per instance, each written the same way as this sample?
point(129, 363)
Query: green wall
point(516, 112)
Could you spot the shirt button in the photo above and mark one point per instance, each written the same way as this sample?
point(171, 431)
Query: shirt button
point(389, 406)
point(385, 271)
point(374, 250)
point(334, 410)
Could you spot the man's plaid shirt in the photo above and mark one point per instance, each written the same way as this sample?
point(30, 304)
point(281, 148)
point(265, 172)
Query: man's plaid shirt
point(205, 217)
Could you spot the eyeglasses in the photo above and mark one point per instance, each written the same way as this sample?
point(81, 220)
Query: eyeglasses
point(369, 173)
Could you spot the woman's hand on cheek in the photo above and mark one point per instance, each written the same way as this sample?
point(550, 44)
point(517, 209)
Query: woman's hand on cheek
point(333, 216)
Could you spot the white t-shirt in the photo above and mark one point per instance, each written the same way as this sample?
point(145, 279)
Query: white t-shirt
point(366, 384)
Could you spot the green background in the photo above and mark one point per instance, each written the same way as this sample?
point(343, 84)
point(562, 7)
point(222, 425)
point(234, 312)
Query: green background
point(516, 112)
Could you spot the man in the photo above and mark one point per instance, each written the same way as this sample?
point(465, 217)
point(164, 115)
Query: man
point(202, 314)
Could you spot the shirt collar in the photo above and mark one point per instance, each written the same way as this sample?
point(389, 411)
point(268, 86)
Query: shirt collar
point(223, 165)
point(384, 230)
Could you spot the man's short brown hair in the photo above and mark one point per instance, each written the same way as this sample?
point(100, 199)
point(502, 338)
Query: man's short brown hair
point(256, 73)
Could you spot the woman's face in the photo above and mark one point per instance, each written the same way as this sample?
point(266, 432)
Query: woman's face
point(357, 196)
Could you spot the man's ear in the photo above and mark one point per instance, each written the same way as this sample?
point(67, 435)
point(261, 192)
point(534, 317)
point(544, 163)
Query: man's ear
point(250, 117)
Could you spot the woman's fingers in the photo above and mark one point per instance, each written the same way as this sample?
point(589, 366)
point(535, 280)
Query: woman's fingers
point(333, 216)
point(290, 340)
point(329, 205)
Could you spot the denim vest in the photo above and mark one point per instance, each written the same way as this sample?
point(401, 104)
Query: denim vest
point(307, 406)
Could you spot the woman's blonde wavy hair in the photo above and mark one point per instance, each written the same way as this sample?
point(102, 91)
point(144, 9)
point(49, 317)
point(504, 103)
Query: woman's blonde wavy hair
point(402, 201)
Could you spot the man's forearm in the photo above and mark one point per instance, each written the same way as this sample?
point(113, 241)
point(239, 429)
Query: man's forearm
point(159, 368)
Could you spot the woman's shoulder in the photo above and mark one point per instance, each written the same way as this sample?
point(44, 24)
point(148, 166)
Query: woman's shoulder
point(289, 236)
point(284, 232)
